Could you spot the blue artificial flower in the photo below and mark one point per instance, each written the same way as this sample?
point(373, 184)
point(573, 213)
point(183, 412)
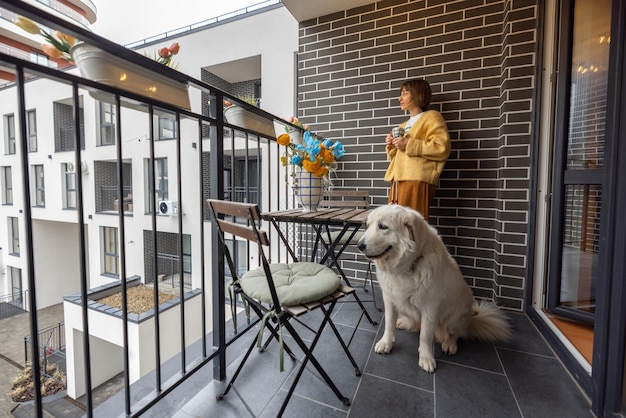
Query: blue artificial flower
point(338, 150)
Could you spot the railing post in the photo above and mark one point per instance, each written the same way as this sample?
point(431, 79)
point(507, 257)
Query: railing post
point(216, 191)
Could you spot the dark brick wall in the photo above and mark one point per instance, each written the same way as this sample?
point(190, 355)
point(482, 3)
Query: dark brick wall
point(105, 179)
point(479, 57)
point(64, 127)
point(167, 248)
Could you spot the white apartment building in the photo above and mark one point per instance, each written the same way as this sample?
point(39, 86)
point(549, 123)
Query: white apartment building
point(246, 61)
point(254, 56)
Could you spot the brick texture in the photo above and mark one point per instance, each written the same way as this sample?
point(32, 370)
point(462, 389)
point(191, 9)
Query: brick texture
point(479, 57)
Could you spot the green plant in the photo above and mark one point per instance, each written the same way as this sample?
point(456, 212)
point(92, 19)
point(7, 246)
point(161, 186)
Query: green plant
point(250, 99)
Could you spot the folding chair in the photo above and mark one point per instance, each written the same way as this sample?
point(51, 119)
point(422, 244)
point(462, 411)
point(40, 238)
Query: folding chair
point(346, 198)
point(279, 293)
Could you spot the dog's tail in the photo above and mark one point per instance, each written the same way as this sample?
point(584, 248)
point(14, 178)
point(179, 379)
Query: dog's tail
point(488, 323)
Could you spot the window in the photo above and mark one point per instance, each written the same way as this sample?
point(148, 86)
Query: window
point(109, 250)
point(161, 182)
point(9, 134)
point(65, 127)
point(14, 236)
point(186, 253)
point(107, 124)
point(167, 127)
point(39, 187)
point(15, 275)
point(31, 130)
point(69, 188)
point(7, 186)
point(38, 58)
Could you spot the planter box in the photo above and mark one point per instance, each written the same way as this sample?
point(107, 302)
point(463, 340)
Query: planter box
point(98, 65)
point(238, 116)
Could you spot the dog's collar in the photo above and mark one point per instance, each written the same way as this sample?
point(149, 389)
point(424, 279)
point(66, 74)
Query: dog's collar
point(417, 259)
point(414, 263)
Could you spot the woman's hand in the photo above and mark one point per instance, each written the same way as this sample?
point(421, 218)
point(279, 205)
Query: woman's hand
point(400, 142)
point(389, 139)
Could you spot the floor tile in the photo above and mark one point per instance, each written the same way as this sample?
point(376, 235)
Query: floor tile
point(378, 397)
point(542, 386)
point(460, 389)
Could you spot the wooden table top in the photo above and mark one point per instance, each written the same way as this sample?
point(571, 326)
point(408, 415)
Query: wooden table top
point(327, 216)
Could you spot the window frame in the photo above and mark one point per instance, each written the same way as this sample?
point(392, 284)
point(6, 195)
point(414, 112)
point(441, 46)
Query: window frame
point(161, 182)
point(166, 124)
point(9, 134)
point(109, 251)
point(39, 186)
point(14, 235)
point(106, 113)
point(7, 185)
point(31, 130)
point(69, 188)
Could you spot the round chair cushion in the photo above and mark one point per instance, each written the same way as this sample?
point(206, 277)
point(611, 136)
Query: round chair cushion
point(295, 283)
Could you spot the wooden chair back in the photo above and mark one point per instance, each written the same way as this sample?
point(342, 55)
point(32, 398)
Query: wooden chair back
point(345, 198)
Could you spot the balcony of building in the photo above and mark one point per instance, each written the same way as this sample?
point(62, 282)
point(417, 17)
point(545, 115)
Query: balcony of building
point(138, 160)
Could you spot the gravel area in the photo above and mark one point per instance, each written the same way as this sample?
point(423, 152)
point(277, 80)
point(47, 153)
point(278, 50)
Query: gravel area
point(140, 299)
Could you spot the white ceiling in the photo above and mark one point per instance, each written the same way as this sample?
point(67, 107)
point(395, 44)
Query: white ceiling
point(308, 9)
point(248, 68)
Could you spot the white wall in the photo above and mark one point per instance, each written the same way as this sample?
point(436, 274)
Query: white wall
point(107, 342)
point(57, 265)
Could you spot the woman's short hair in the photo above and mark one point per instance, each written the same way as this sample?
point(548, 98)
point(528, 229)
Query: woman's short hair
point(420, 92)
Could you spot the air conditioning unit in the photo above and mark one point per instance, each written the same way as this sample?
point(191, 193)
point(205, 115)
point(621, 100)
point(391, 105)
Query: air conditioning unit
point(71, 167)
point(168, 207)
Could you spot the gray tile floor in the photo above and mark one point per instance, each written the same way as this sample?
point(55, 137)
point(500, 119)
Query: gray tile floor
point(522, 378)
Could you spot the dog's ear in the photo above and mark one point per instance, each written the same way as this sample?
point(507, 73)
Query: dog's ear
point(414, 222)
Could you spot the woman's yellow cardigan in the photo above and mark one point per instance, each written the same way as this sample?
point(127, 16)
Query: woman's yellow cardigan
point(425, 154)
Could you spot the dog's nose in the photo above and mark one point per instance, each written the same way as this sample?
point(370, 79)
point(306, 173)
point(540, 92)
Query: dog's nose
point(361, 245)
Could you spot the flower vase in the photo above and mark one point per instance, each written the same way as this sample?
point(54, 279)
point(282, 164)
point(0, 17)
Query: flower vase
point(103, 67)
point(296, 137)
point(310, 190)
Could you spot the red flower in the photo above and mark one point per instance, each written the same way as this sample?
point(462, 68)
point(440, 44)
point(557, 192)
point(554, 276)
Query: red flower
point(174, 48)
point(164, 52)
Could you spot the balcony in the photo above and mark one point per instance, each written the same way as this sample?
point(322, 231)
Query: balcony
point(211, 158)
point(482, 379)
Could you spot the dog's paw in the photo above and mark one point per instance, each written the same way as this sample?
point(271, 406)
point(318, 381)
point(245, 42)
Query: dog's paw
point(383, 346)
point(427, 363)
point(405, 323)
point(449, 346)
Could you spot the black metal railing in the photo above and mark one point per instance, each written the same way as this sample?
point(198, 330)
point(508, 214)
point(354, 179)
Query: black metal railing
point(203, 142)
point(51, 340)
point(13, 304)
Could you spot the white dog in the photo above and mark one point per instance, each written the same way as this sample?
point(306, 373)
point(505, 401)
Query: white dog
point(423, 288)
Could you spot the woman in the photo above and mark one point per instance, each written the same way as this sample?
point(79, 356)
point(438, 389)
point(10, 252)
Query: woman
point(418, 152)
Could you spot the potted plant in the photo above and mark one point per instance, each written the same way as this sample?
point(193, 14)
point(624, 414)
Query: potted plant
point(238, 116)
point(313, 161)
point(103, 67)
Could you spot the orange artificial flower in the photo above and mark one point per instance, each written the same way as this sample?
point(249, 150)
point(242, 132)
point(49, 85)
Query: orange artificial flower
point(51, 51)
point(311, 166)
point(283, 139)
point(64, 37)
point(321, 172)
point(327, 155)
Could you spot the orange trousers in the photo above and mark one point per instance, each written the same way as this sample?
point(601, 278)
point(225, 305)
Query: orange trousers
point(414, 194)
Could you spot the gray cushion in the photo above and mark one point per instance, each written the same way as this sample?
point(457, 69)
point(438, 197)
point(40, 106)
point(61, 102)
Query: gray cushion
point(335, 234)
point(295, 283)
